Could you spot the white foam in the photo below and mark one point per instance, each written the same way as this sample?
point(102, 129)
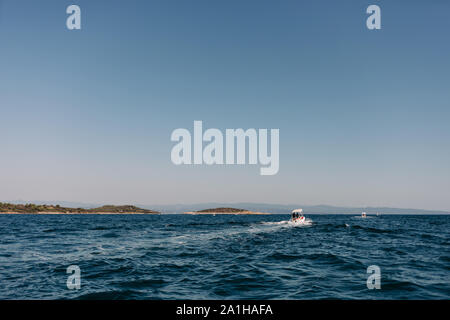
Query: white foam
point(276, 222)
point(307, 222)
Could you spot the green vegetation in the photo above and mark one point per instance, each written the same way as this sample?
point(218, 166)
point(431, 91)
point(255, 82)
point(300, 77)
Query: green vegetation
point(222, 210)
point(122, 209)
point(33, 208)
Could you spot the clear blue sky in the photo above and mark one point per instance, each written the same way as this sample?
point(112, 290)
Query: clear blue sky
point(363, 115)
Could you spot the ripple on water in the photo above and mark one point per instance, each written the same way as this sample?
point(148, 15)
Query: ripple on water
point(223, 257)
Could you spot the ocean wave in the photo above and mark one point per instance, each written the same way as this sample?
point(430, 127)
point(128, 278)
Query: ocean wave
point(226, 257)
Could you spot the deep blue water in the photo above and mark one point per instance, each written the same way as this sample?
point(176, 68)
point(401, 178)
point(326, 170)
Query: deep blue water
point(223, 257)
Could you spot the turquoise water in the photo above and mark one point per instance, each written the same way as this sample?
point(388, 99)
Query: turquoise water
point(223, 257)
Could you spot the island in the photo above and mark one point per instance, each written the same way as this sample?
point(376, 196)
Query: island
point(8, 208)
point(224, 211)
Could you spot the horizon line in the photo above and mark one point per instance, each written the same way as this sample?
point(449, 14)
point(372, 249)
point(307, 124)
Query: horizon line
point(227, 203)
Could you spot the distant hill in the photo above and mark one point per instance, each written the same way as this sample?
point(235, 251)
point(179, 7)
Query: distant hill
point(121, 209)
point(222, 210)
point(57, 209)
point(256, 207)
point(286, 209)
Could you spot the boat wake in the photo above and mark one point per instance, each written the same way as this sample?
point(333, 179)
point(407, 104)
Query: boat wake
point(304, 223)
point(290, 223)
point(226, 231)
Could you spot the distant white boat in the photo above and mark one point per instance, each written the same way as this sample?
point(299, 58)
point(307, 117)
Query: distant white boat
point(363, 215)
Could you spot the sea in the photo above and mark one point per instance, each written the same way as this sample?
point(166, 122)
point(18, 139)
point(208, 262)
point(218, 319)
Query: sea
point(179, 256)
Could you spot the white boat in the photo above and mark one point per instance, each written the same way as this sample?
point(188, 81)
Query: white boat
point(298, 218)
point(363, 215)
